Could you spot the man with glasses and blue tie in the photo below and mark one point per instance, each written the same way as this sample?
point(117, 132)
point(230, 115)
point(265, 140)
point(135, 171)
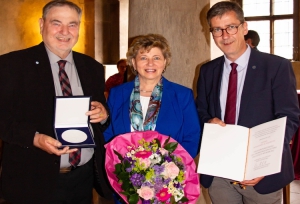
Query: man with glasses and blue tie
point(247, 88)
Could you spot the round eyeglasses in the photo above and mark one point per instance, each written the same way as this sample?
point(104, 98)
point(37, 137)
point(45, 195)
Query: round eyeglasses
point(231, 30)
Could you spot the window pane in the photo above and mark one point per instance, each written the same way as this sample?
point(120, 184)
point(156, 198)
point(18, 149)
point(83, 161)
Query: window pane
point(283, 7)
point(256, 7)
point(283, 38)
point(263, 30)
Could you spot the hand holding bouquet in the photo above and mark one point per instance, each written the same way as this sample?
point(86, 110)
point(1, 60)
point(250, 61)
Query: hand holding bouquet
point(148, 167)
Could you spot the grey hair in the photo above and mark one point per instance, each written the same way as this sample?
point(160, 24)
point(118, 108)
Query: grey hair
point(60, 3)
point(223, 7)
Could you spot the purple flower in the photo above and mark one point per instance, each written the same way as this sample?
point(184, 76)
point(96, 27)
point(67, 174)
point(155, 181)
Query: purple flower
point(128, 159)
point(176, 185)
point(167, 158)
point(167, 181)
point(158, 169)
point(147, 183)
point(129, 169)
point(146, 202)
point(137, 179)
point(158, 185)
point(155, 202)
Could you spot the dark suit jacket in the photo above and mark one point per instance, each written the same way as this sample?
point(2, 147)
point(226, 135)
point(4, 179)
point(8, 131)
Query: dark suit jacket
point(27, 91)
point(269, 93)
point(177, 115)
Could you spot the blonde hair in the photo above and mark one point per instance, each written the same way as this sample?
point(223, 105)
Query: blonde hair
point(146, 43)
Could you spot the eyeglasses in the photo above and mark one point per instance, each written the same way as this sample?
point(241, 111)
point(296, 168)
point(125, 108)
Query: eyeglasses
point(231, 30)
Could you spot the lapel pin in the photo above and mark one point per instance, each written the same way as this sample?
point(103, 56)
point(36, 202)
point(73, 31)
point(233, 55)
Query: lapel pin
point(254, 67)
point(37, 62)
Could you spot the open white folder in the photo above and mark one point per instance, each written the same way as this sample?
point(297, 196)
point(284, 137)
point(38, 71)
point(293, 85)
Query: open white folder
point(240, 153)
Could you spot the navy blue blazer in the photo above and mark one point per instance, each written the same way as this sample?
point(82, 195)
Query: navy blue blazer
point(177, 115)
point(269, 93)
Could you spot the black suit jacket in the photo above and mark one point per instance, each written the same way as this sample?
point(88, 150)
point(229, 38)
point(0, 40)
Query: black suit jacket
point(26, 107)
point(269, 93)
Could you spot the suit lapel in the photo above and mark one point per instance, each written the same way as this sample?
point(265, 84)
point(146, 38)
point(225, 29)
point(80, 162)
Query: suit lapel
point(43, 68)
point(217, 77)
point(166, 104)
point(248, 84)
point(126, 92)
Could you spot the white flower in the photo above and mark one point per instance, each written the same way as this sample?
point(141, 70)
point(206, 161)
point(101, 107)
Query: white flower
point(155, 158)
point(178, 194)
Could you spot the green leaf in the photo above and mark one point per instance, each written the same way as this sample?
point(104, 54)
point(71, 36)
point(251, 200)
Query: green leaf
point(119, 155)
point(125, 193)
point(126, 165)
point(171, 146)
point(158, 142)
point(133, 199)
point(118, 169)
point(132, 190)
point(184, 199)
point(124, 176)
point(126, 185)
point(167, 141)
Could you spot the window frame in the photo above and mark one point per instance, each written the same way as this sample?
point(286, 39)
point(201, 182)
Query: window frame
point(295, 16)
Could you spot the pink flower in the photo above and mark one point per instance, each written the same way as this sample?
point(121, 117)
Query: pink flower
point(163, 195)
point(146, 192)
point(171, 170)
point(163, 151)
point(143, 154)
point(146, 162)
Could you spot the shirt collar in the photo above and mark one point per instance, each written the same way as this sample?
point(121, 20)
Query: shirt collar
point(242, 61)
point(53, 58)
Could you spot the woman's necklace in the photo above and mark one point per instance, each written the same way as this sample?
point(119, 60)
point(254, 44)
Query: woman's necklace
point(145, 91)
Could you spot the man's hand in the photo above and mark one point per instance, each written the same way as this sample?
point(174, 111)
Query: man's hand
point(50, 145)
point(216, 121)
point(97, 113)
point(252, 182)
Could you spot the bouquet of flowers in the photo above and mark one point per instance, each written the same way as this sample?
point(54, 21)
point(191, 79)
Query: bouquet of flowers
point(147, 167)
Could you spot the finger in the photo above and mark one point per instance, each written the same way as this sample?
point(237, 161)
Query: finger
point(50, 148)
point(95, 104)
point(252, 182)
point(217, 121)
point(71, 150)
point(59, 152)
point(95, 112)
point(53, 142)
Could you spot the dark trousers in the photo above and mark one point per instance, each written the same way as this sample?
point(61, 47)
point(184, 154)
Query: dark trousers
point(75, 187)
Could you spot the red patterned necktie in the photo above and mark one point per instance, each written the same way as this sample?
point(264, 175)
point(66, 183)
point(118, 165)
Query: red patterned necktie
point(230, 111)
point(74, 157)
